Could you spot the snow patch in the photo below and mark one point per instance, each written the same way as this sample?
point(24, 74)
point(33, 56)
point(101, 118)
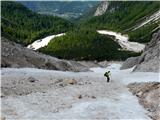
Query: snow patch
point(123, 41)
point(43, 42)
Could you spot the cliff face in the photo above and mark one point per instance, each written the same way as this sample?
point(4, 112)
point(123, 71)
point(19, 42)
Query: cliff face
point(101, 8)
point(15, 56)
point(149, 61)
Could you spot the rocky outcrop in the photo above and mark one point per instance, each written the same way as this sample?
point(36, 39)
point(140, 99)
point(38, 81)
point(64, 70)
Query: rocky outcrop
point(150, 58)
point(149, 96)
point(101, 8)
point(130, 62)
point(15, 56)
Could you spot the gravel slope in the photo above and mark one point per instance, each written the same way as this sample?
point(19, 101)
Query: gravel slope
point(30, 93)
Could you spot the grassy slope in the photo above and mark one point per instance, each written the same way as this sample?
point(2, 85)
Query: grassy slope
point(24, 26)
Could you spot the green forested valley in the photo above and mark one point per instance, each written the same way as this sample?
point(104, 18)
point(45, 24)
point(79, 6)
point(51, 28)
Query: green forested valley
point(84, 43)
point(81, 41)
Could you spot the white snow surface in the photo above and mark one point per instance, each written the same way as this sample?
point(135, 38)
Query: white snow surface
point(154, 17)
point(43, 42)
point(116, 102)
point(123, 41)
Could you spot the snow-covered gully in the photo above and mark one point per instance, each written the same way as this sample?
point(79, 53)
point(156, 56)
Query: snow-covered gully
point(123, 41)
point(91, 97)
point(43, 42)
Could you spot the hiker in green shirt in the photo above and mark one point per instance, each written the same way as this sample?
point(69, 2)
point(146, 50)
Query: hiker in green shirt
point(107, 74)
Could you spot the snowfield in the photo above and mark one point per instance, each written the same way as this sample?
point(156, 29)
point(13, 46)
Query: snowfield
point(43, 42)
point(91, 97)
point(123, 41)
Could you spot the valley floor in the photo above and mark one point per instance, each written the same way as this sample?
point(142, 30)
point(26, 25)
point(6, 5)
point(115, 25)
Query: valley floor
point(46, 94)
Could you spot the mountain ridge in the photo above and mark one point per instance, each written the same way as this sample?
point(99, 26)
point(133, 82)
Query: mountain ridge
point(124, 16)
point(69, 10)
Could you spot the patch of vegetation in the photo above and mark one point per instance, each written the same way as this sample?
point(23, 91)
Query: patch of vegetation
point(86, 44)
point(24, 26)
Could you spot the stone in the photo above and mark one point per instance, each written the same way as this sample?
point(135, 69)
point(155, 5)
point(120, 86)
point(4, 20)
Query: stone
point(129, 63)
point(93, 97)
point(79, 96)
point(71, 81)
point(32, 79)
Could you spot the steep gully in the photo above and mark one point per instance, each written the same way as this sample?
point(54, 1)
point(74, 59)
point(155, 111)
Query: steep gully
point(47, 98)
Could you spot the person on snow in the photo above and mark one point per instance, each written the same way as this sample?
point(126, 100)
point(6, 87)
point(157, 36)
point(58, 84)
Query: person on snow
point(107, 75)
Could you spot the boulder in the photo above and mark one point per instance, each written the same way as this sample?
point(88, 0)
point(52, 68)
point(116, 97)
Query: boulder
point(130, 62)
point(71, 81)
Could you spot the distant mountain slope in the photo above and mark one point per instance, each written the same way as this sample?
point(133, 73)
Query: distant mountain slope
point(122, 16)
point(66, 9)
point(125, 16)
point(102, 8)
point(24, 26)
